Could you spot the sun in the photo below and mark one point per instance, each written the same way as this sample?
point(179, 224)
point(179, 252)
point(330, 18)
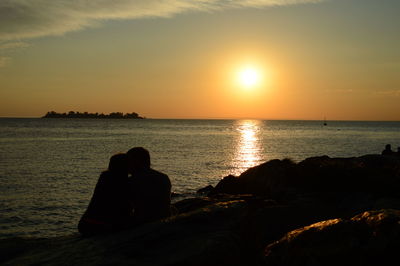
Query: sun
point(249, 77)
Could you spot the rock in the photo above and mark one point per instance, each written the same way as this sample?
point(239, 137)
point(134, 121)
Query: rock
point(219, 231)
point(267, 179)
point(271, 179)
point(175, 195)
point(204, 236)
point(387, 203)
point(192, 204)
point(370, 238)
point(228, 185)
point(346, 185)
point(205, 190)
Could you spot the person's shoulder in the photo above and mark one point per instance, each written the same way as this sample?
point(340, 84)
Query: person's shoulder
point(386, 152)
point(161, 178)
point(158, 173)
point(105, 174)
point(104, 177)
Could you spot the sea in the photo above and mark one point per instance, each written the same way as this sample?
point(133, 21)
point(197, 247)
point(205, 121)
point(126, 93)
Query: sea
point(49, 167)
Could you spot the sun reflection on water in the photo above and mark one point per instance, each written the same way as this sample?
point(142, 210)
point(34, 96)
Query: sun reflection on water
point(249, 145)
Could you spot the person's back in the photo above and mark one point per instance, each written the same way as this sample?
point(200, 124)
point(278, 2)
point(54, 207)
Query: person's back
point(110, 202)
point(150, 189)
point(151, 196)
point(109, 208)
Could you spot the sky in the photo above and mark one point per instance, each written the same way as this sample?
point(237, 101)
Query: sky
point(307, 59)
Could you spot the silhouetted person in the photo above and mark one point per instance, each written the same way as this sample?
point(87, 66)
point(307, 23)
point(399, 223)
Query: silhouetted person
point(110, 208)
point(150, 189)
point(398, 151)
point(387, 150)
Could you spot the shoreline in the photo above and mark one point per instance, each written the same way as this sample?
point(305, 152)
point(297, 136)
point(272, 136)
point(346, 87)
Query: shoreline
point(234, 119)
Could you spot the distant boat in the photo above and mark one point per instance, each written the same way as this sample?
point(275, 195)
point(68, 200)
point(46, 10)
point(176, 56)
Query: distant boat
point(325, 124)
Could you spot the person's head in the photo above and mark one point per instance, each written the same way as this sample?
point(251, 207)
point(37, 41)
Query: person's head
point(138, 159)
point(118, 163)
point(388, 147)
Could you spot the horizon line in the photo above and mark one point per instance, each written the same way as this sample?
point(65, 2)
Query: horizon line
point(216, 118)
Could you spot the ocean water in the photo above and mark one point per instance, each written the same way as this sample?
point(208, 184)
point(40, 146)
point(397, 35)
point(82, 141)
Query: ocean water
point(49, 167)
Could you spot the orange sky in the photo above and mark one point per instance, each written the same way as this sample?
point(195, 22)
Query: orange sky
point(338, 59)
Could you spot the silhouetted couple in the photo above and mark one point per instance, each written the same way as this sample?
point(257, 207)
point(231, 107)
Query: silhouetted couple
point(121, 201)
point(388, 150)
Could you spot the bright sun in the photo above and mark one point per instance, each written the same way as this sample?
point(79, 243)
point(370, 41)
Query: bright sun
point(249, 77)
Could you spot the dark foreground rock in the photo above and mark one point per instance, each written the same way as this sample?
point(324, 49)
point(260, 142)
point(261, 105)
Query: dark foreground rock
point(205, 190)
point(218, 234)
point(344, 185)
point(370, 238)
point(242, 215)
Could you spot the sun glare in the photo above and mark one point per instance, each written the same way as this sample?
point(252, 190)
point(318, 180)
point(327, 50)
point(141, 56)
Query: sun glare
point(249, 77)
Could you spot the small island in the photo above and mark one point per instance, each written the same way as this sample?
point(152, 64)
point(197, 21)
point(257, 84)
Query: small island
point(72, 114)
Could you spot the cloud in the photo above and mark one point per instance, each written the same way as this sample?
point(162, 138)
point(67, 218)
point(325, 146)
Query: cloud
point(12, 45)
point(392, 93)
point(4, 61)
point(24, 19)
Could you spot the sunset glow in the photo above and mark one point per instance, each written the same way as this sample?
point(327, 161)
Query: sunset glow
point(249, 77)
point(298, 59)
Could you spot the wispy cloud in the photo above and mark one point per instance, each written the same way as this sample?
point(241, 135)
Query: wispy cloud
point(392, 93)
point(22, 19)
point(12, 45)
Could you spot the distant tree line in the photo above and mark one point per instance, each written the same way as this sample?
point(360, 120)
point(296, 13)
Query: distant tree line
point(73, 114)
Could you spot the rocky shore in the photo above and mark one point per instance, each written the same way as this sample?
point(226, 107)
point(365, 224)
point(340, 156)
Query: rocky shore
point(320, 211)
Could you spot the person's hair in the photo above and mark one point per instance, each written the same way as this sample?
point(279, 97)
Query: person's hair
point(118, 163)
point(139, 157)
point(388, 146)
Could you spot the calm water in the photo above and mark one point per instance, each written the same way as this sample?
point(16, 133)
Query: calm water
point(49, 167)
